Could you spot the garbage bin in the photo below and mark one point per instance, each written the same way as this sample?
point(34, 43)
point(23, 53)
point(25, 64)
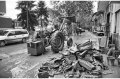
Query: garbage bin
point(36, 48)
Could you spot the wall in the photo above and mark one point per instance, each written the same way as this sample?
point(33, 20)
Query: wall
point(112, 8)
point(116, 38)
point(5, 22)
point(103, 6)
point(112, 23)
point(2, 7)
point(116, 7)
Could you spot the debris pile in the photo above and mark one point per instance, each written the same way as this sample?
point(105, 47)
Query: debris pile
point(75, 63)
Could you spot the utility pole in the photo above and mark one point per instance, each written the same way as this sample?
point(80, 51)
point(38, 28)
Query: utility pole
point(27, 15)
point(41, 23)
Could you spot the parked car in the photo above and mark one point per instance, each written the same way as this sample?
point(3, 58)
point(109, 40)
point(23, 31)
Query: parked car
point(13, 35)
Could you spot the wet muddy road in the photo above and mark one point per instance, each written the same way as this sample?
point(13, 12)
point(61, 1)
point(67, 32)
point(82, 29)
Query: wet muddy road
point(17, 63)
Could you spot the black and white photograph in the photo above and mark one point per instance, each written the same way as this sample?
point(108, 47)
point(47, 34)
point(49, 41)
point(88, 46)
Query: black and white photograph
point(59, 39)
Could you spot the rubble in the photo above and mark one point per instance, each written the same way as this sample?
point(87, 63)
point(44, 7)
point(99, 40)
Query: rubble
point(106, 72)
point(86, 64)
point(75, 63)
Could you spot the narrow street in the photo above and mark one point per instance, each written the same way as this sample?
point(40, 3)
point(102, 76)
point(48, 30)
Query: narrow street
point(23, 65)
point(12, 49)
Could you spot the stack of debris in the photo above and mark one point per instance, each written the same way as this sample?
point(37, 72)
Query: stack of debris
point(75, 63)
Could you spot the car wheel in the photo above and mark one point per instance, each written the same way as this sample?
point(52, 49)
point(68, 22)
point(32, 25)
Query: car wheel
point(2, 43)
point(24, 40)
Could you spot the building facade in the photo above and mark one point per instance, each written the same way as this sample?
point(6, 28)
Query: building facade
point(5, 22)
point(112, 18)
point(2, 7)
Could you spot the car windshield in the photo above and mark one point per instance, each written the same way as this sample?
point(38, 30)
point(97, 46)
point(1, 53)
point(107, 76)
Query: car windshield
point(3, 32)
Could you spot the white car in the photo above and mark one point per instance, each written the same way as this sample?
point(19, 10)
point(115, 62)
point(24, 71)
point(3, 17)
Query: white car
point(13, 35)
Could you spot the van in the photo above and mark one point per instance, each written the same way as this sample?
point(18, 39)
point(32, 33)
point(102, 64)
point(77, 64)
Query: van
point(13, 35)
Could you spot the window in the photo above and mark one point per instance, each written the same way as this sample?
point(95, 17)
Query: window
point(11, 33)
point(20, 32)
point(24, 32)
point(3, 32)
point(17, 33)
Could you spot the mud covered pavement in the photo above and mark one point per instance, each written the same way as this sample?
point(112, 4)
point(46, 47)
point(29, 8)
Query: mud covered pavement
point(25, 66)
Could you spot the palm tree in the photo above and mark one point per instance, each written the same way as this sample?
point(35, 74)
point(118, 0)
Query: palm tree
point(27, 15)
